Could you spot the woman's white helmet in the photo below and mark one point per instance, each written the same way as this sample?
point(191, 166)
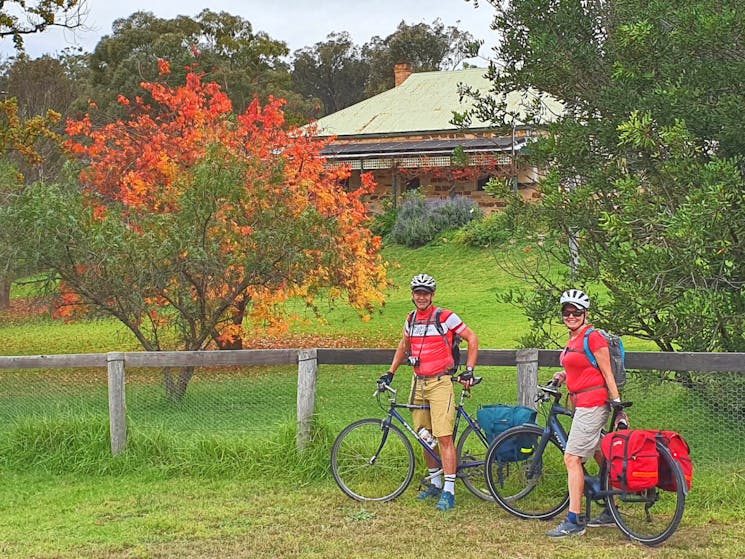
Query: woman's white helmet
point(423, 281)
point(575, 297)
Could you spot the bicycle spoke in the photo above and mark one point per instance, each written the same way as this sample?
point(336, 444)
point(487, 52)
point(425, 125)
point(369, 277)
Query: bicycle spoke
point(364, 470)
point(523, 482)
point(650, 516)
point(471, 456)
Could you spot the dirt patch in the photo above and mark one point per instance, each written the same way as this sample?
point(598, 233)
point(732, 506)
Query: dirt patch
point(310, 341)
point(25, 307)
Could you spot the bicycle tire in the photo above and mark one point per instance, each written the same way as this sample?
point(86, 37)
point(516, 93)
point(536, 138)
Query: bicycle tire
point(365, 476)
point(650, 517)
point(525, 483)
point(472, 449)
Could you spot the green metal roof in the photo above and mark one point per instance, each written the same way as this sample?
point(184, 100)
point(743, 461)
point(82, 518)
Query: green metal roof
point(424, 103)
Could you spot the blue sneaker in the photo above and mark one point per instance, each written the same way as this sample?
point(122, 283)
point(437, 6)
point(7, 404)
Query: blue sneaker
point(567, 528)
point(430, 492)
point(446, 502)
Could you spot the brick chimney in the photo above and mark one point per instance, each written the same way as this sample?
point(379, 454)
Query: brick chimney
point(401, 71)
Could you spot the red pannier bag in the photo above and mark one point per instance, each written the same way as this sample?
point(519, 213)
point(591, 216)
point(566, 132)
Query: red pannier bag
point(678, 447)
point(632, 458)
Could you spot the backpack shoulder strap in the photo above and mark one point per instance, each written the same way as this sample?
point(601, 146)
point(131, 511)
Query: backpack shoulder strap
point(440, 329)
point(438, 323)
point(410, 320)
point(588, 352)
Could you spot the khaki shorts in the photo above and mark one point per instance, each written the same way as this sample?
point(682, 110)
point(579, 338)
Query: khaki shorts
point(439, 394)
point(586, 429)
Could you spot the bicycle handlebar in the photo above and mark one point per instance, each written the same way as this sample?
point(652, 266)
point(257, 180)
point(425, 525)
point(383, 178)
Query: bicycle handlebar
point(476, 380)
point(551, 390)
point(545, 393)
point(383, 387)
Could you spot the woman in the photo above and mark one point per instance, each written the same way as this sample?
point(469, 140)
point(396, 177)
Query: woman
point(591, 389)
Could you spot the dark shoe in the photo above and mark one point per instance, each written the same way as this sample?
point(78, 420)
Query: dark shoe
point(604, 519)
point(446, 502)
point(567, 528)
point(430, 492)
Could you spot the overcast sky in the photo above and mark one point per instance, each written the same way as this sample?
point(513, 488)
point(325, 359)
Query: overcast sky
point(299, 23)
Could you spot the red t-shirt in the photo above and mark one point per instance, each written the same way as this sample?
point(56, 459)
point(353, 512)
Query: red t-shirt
point(581, 375)
point(434, 353)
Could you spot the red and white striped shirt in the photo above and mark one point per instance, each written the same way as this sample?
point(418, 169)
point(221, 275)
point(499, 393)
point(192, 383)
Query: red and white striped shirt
point(428, 345)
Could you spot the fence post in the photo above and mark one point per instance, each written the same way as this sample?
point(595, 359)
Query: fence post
point(117, 402)
point(307, 375)
point(527, 376)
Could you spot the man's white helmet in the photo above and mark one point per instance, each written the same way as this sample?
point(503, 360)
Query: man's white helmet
point(576, 297)
point(423, 281)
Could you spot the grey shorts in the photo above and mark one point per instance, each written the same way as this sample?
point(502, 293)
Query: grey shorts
point(584, 435)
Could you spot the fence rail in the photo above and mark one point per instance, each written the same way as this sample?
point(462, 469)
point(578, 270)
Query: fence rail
point(526, 361)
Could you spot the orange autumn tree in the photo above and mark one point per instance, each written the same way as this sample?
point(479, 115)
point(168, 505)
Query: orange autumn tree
point(197, 223)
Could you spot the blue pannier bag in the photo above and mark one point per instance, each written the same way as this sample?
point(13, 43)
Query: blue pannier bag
point(497, 418)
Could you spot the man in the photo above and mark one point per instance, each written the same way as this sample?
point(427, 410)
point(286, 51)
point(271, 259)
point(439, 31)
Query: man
point(592, 389)
point(429, 349)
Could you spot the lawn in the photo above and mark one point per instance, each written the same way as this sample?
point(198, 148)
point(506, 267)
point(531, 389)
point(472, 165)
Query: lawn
point(202, 481)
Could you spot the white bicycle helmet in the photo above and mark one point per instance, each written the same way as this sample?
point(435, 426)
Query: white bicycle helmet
point(423, 281)
point(575, 297)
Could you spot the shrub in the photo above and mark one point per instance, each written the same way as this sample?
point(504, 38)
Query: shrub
point(381, 224)
point(513, 222)
point(420, 221)
point(492, 230)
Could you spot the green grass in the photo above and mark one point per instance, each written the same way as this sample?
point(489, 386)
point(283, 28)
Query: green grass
point(468, 283)
point(219, 475)
point(146, 516)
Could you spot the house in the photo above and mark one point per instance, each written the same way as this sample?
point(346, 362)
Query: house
point(404, 136)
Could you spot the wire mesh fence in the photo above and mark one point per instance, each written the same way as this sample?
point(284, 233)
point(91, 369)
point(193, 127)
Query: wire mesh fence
point(255, 402)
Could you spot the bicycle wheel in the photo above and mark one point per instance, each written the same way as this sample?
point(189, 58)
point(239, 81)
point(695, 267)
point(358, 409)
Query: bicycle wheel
point(524, 481)
point(651, 516)
point(471, 451)
point(372, 461)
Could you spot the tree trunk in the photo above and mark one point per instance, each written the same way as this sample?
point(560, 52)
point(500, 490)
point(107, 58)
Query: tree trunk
point(239, 313)
point(176, 385)
point(5, 293)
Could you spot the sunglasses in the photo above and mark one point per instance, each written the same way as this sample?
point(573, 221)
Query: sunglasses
point(575, 314)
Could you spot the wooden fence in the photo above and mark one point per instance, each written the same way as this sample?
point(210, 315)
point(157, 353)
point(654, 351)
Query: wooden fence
point(526, 361)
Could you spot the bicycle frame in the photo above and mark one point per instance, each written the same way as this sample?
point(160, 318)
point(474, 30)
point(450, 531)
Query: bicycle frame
point(592, 490)
point(554, 427)
point(461, 413)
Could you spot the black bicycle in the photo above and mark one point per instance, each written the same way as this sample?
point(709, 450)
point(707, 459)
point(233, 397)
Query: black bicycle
point(373, 459)
point(525, 473)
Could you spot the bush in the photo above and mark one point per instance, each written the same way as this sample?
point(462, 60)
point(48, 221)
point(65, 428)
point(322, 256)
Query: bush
point(515, 221)
point(420, 221)
point(491, 231)
point(381, 224)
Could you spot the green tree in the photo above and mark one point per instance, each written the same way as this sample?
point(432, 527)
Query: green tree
point(19, 18)
point(426, 48)
point(39, 86)
point(30, 149)
point(19, 138)
point(223, 46)
point(644, 195)
point(332, 71)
